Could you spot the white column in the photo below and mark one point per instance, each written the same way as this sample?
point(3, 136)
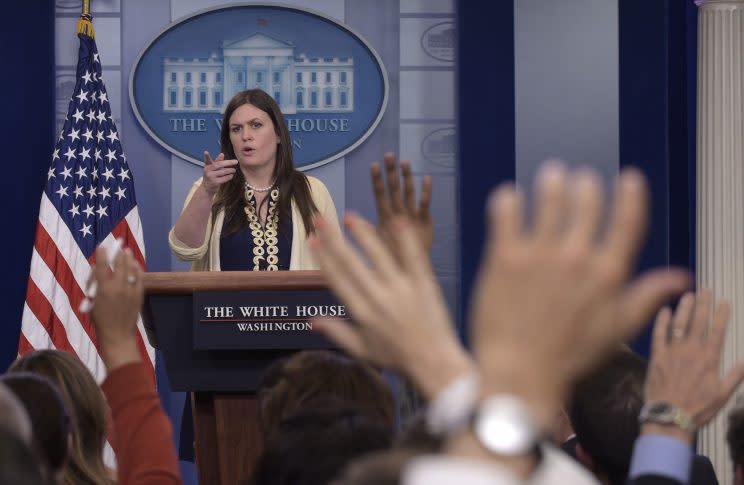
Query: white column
point(291, 85)
point(227, 93)
point(270, 75)
point(720, 187)
point(248, 64)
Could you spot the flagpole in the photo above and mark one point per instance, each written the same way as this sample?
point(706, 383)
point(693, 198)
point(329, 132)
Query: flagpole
point(85, 23)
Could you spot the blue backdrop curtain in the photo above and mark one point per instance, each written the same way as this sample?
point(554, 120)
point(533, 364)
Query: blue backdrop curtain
point(658, 45)
point(27, 40)
point(486, 123)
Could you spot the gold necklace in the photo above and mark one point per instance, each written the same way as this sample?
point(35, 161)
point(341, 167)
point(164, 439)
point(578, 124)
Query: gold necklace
point(263, 235)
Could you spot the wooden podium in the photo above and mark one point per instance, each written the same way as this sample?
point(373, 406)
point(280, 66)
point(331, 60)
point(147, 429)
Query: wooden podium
point(228, 441)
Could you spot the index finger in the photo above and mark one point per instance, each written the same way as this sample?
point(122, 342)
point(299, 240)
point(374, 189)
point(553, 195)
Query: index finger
point(207, 158)
point(661, 332)
point(120, 265)
point(101, 266)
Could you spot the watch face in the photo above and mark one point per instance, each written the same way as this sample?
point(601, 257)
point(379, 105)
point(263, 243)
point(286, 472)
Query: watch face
point(660, 408)
point(668, 414)
point(504, 426)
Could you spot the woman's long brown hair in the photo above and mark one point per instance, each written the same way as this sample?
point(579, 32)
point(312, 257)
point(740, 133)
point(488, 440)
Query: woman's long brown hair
point(87, 408)
point(292, 183)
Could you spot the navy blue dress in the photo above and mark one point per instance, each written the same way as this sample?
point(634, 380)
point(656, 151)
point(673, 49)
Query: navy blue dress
point(236, 249)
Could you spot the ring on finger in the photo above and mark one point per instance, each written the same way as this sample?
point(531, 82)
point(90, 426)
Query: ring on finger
point(678, 333)
point(131, 279)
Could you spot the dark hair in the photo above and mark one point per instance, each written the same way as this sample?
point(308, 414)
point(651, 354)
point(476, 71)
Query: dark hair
point(49, 418)
point(604, 413)
point(289, 384)
point(416, 436)
point(86, 405)
point(313, 445)
point(735, 435)
point(292, 183)
point(18, 463)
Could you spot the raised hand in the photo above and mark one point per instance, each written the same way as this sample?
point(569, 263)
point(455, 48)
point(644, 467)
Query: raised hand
point(192, 225)
point(686, 357)
point(401, 320)
point(390, 201)
point(217, 172)
point(553, 297)
point(118, 301)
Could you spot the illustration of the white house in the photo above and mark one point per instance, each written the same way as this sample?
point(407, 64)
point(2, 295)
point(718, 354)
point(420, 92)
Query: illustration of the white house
point(298, 83)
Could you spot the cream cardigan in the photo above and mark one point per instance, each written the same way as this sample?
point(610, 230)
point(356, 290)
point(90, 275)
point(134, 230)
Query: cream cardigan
point(207, 256)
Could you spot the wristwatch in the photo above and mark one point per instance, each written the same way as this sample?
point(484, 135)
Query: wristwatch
point(667, 414)
point(504, 426)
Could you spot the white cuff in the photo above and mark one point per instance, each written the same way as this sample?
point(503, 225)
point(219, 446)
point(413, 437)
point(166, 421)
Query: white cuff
point(451, 408)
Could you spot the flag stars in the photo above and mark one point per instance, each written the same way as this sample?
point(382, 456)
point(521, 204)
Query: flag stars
point(91, 192)
point(94, 172)
point(108, 173)
point(99, 135)
point(97, 154)
point(81, 172)
point(95, 58)
point(113, 136)
point(124, 174)
point(62, 192)
point(85, 230)
point(66, 172)
point(86, 77)
point(78, 192)
point(82, 95)
point(111, 155)
point(120, 193)
point(104, 193)
point(101, 211)
point(88, 135)
point(102, 98)
point(70, 153)
point(78, 116)
point(84, 153)
point(90, 115)
point(74, 135)
point(55, 155)
point(101, 116)
point(74, 211)
point(88, 211)
point(50, 173)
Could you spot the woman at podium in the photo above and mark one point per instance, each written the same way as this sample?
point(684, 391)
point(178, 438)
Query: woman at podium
point(251, 210)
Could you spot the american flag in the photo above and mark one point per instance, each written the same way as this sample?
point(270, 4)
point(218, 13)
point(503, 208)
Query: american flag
point(88, 201)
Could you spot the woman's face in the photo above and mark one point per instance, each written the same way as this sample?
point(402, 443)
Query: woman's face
point(253, 137)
